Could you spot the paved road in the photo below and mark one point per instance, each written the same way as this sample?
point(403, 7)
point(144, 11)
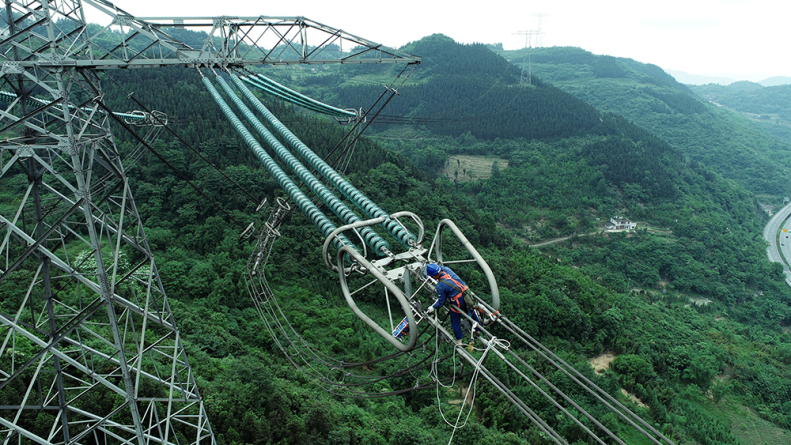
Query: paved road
point(779, 220)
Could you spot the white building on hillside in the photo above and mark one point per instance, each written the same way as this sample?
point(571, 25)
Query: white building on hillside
point(620, 223)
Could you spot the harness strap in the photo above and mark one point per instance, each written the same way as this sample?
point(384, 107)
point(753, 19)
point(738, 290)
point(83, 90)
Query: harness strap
point(458, 287)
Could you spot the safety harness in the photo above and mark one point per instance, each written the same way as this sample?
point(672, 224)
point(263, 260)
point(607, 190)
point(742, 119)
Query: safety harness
point(444, 277)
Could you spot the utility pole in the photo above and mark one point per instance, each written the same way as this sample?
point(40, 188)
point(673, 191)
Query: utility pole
point(89, 348)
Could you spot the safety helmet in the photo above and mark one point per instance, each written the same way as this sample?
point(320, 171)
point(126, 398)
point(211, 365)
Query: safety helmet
point(432, 269)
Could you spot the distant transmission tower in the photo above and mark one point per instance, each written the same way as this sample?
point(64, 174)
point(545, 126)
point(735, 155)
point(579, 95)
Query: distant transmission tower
point(527, 67)
point(539, 29)
point(89, 349)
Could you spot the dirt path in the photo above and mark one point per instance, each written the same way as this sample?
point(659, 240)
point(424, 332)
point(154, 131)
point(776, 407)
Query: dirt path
point(563, 238)
point(552, 241)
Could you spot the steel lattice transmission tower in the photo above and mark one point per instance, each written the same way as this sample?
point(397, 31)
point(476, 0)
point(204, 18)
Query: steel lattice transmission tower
point(89, 349)
point(527, 67)
point(539, 29)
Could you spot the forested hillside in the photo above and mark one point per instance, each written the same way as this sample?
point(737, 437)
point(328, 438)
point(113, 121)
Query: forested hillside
point(768, 107)
point(694, 315)
point(652, 99)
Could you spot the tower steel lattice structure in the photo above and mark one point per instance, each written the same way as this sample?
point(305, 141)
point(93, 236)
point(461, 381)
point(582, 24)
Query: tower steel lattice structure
point(539, 28)
point(527, 66)
point(89, 348)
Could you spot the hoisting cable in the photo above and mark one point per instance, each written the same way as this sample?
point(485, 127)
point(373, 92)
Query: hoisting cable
point(316, 216)
point(554, 388)
point(588, 385)
point(372, 239)
point(131, 95)
point(507, 393)
point(319, 378)
point(165, 161)
point(353, 194)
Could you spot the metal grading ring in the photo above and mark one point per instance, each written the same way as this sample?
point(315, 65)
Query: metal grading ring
point(272, 231)
point(390, 286)
point(283, 204)
point(495, 291)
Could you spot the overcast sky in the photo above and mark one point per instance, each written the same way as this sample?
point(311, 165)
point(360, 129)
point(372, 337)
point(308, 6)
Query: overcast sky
point(743, 40)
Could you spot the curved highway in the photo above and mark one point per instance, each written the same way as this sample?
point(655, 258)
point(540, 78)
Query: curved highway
point(778, 239)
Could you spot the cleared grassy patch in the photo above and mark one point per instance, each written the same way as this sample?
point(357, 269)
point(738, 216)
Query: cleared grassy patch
point(747, 426)
point(745, 423)
point(470, 168)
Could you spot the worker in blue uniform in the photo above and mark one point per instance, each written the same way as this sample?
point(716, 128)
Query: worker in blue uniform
point(450, 288)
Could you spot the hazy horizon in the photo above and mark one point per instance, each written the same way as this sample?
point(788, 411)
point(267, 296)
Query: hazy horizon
point(693, 37)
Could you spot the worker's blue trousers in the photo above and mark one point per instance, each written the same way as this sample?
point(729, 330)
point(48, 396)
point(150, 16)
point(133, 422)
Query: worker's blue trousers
point(455, 322)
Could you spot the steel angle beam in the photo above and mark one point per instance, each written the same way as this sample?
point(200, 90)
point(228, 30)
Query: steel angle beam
point(141, 42)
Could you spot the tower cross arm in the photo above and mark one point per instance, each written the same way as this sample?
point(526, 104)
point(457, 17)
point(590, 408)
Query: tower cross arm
point(147, 42)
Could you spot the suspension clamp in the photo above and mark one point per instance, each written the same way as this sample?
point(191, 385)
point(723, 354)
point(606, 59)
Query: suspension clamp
point(247, 232)
point(261, 206)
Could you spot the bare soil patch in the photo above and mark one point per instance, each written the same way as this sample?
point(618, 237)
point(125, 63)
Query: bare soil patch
point(465, 394)
point(633, 398)
point(600, 363)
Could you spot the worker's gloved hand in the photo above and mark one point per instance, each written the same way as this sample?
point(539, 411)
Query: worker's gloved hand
point(429, 310)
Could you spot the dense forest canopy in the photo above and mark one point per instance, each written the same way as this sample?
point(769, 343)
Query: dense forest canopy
point(767, 107)
point(694, 314)
point(649, 97)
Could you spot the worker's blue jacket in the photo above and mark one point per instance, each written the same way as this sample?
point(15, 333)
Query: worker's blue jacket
point(450, 286)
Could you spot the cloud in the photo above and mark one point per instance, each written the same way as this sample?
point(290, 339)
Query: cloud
point(682, 24)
